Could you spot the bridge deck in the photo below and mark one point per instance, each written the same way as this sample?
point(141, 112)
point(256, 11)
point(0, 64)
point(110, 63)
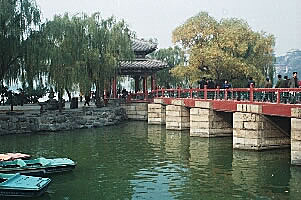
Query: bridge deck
point(274, 101)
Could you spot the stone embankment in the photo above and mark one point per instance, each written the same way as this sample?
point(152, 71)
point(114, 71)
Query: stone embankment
point(34, 121)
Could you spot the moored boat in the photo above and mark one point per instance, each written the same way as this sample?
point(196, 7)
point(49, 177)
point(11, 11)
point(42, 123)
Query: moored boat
point(13, 156)
point(16, 185)
point(37, 167)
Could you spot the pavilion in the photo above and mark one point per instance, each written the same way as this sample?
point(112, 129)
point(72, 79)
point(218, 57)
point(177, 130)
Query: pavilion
point(141, 67)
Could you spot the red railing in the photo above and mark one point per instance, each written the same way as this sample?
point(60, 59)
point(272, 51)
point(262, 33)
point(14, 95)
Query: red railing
point(266, 95)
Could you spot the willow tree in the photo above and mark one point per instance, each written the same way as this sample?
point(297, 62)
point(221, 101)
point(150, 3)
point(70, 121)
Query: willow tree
point(108, 42)
point(65, 43)
point(225, 49)
point(18, 20)
point(173, 57)
point(85, 51)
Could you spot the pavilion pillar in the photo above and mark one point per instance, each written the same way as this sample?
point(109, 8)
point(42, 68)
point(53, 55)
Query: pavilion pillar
point(145, 87)
point(136, 78)
point(115, 87)
point(154, 82)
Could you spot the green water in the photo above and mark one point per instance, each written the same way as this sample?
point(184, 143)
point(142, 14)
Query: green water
point(137, 161)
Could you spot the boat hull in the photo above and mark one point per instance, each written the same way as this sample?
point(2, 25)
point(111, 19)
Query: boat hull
point(59, 169)
point(37, 167)
point(22, 193)
point(39, 171)
point(17, 185)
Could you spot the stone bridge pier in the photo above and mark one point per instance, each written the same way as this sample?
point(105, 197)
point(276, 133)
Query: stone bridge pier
point(177, 116)
point(254, 131)
point(157, 112)
point(205, 122)
point(296, 136)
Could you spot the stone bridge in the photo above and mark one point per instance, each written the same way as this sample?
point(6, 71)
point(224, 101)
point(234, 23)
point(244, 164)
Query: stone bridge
point(270, 121)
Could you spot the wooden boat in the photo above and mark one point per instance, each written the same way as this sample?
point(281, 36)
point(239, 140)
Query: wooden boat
point(16, 185)
point(37, 167)
point(13, 156)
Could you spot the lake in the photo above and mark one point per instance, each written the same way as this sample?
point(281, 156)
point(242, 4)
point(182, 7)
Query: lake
point(139, 161)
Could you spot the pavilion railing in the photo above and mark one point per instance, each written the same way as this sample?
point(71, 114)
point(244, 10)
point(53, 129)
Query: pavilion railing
point(266, 95)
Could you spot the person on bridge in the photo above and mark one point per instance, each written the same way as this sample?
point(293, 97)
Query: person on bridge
point(280, 83)
point(293, 82)
point(268, 83)
point(227, 85)
point(250, 82)
point(286, 80)
point(202, 83)
point(211, 84)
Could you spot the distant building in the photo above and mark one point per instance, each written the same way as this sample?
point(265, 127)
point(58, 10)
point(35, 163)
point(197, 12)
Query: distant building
point(288, 63)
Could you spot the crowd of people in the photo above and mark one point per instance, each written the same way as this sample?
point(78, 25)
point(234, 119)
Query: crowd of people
point(213, 84)
point(292, 82)
point(209, 83)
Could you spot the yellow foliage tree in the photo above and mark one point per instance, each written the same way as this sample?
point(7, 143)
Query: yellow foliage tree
point(226, 49)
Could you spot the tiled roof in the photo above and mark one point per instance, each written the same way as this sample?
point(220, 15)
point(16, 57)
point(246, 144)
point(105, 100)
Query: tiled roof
point(140, 66)
point(143, 46)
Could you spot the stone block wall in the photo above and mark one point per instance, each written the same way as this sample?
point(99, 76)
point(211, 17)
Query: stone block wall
point(177, 116)
point(205, 122)
point(34, 121)
point(156, 114)
point(136, 111)
point(254, 131)
point(296, 136)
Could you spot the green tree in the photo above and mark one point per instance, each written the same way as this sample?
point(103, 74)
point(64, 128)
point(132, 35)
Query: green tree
point(63, 45)
point(108, 42)
point(84, 51)
point(18, 20)
point(226, 49)
point(173, 57)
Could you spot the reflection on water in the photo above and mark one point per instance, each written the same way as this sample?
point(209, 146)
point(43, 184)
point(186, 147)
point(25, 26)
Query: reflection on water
point(269, 170)
point(137, 161)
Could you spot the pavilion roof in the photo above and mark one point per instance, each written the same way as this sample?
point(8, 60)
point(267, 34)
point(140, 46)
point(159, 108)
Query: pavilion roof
point(142, 47)
point(141, 66)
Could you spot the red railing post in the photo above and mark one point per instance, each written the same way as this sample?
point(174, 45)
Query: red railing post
point(129, 98)
point(251, 92)
point(145, 91)
point(179, 92)
point(114, 87)
point(226, 94)
point(217, 93)
point(278, 96)
point(191, 93)
point(205, 92)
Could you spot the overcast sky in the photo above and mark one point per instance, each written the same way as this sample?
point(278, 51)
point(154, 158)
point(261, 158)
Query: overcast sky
point(158, 18)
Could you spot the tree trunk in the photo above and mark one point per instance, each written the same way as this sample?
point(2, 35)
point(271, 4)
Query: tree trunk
point(60, 97)
point(69, 94)
point(99, 95)
point(10, 94)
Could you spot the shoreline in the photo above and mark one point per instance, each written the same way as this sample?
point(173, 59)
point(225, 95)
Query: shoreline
point(32, 121)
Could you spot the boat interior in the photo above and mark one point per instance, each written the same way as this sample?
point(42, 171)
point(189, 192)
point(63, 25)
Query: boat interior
point(13, 164)
point(3, 180)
